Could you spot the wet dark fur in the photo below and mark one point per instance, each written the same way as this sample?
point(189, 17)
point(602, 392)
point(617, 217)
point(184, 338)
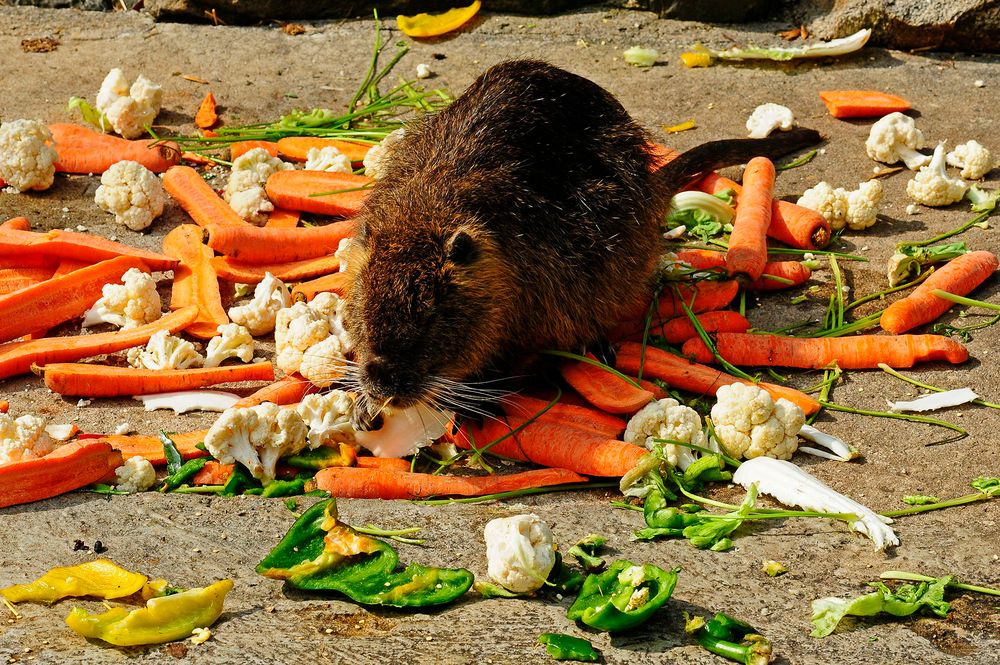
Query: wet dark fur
point(522, 217)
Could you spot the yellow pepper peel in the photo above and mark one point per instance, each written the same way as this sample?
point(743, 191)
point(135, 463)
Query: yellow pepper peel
point(433, 25)
point(99, 578)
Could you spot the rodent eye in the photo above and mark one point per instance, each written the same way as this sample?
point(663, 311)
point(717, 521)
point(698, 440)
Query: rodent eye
point(462, 248)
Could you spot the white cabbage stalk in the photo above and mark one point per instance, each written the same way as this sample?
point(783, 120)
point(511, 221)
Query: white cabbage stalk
point(834, 47)
point(839, 450)
point(792, 486)
point(705, 202)
point(405, 431)
point(934, 401)
point(189, 400)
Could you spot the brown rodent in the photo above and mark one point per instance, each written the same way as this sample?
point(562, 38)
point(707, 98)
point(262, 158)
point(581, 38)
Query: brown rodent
point(522, 217)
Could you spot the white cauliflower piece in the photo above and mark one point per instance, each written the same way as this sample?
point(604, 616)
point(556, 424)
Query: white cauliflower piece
point(862, 205)
point(520, 552)
point(24, 438)
point(405, 431)
point(132, 193)
point(233, 341)
point(27, 158)
point(127, 305)
point(304, 325)
point(973, 158)
point(327, 159)
point(377, 158)
point(324, 363)
point(343, 251)
point(424, 71)
point(245, 189)
point(895, 137)
point(932, 186)
point(129, 110)
point(114, 86)
point(668, 419)
point(269, 297)
point(827, 201)
point(164, 351)
point(135, 475)
point(256, 437)
point(749, 423)
point(328, 417)
point(768, 117)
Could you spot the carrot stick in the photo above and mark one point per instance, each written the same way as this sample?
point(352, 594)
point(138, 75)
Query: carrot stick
point(290, 271)
point(603, 389)
point(702, 259)
point(858, 352)
point(748, 241)
point(296, 190)
point(198, 282)
point(16, 224)
point(242, 147)
point(681, 329)
point(699, 379)
point(15, 279)
point(283, 219)
point(65, 469)
point(151, 448)
point(384, 463)
point(89, 380)
point(28, 261)
point(296, 148)
point(213, 473)
point(83, 150)
point(77, 246)
point(252, 244)
point(18, 357)
point(206, 115)
point(791, 224)
point(862, 103)
point(703, 296)
point(54, 301)
point(198, 199)
point(521, 407)
point(360, 483)
point(66, 266)
point(959, 276)
point(333, 283)
point(288, 390)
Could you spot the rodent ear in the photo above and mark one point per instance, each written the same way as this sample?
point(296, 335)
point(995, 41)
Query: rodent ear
point(462, 248)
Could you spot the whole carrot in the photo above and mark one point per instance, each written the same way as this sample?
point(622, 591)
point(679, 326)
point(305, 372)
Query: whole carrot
point(289, 390)
point(959, 276)
point(748, 241)
point(857, 352)
point(151, 447)
point(198, 199)
point(206, 115)
point(253, 244)
point(91, 380)
point(680, 329)
point(65, 469)
point(344, 193)
point(195, 280)
point(297, 148)
point(603, 389)
point(83, 150)
point(332, 283)
point(58, 244)
point(290, 271)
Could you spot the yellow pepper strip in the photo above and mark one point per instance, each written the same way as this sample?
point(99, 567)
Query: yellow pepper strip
point(100, 578)
point(162, 620)
point(692, 59)
point(432, 25)
point(683, 127)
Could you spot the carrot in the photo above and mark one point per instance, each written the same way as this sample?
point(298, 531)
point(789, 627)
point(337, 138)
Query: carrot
point(16, 224)
point(290, 271)
point(858, 352)
point(65, 469)
point(296, 148)
point(90, 380)
point(242, 147)
point(959, 276)
point(195, 280)
point(54, 301)
point(791, 224)
point(862, 103)
point(18, 357)
point(76, 246)
point(198, 199)
point(213, 473)
point(702, 259)
point(685, 375)
point(151, 448)
point(748, 241)
point(660, 155)
point(297, 190)
point(15, 279)
point(253, 244)
point(4, 406)
point(789, 275)
point(360, 483)
point(703, 296)
point(195, 158)
point(603, 389)
point(66, 266)
point(288, 390)
point(657, 391)
point(681, 329)
point(206, 115)
point(334, 282)
point(384, 463)
point(28, 261)
point(285, 219)
point(521, 407)
point(83, 150)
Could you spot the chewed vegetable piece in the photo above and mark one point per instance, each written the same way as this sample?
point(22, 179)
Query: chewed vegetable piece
point(189, 400)
point(839, 450)
point(828, 612)
point(432, 25)
point(702, 57)
point(62, 432)
point(862, 103)
point(567, 647)
point(99, 579)
point(935, 401)
point(406, 431)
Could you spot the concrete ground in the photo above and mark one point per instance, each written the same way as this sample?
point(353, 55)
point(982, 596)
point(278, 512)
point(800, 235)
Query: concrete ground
point(260, 73)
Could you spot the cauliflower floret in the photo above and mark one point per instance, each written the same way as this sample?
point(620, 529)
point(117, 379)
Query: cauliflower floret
point(129, 109)
point(973, 158)
point(343, 251)
point(328, 417)
point(114, 86)
point(932, 186)
point(135, 475)
point(327, 159)
point(668, 419)
point(768, 117)
point(376, 159)
point(895, 137)
point(749, 423)
point(256, 437)
point(827, 201)
point(304, 325)
point(862, 205)
point(233, 341)
point(24, 438)
point(245, 189)
point(324, 362)
point(164, 351)
point(127, 305)
point(27, 160)
point(405, 431)
point(133, 193)
point(520, 552)
point(269, 297)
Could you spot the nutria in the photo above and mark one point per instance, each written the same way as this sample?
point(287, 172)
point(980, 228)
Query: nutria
point(522, 217)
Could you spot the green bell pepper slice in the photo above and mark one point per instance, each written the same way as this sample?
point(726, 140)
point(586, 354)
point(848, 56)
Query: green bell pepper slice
point(567, 647)
point(623, 596)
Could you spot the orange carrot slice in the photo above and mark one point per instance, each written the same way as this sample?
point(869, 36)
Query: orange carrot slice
point(242, 147)
point(83, 150)
point(281, 218)
point(385, 463)
point(288, 390)
point(862, 103)
point(65, 469)
point(748, 241)
point(206, 115)
point(151, 448)
point(16, 224)
point(198, 199)
point(361, 483)
point(603, 389)
point(332, 283)
point(344, 193)
point(296, 148)
point(252, 244)
point(15, 279)
point(195, 280)
point(91, 380)
point(290, 271)
point(76, 246)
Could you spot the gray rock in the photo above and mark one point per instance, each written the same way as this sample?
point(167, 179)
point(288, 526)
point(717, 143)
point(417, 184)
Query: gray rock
point(89, 5)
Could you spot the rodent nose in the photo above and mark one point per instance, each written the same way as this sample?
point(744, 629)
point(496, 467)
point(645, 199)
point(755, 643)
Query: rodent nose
point(378, 375)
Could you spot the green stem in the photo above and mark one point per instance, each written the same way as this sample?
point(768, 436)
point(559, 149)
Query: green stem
point(527, 422)
point(947, 503)
point(962, 300)
point(726, 365)
point(518, 493)
point(948, 234)
point(627, 506)
point(198, 489)
point(926, 386)
point(869, 321)
point(392, 534)
point(955, 584)
point(708, 451)
point(898, 416)
point(795, 163)
point(876, 296)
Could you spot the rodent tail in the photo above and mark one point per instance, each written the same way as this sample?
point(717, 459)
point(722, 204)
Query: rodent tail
point(717, 154)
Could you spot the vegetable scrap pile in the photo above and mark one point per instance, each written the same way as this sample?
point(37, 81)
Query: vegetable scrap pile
point(692, 400)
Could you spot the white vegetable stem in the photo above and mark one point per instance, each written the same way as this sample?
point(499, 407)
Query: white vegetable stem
point(934, 401)
point(189, 400)
point(705, 202)
point(840, 450)
point(405, 431)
